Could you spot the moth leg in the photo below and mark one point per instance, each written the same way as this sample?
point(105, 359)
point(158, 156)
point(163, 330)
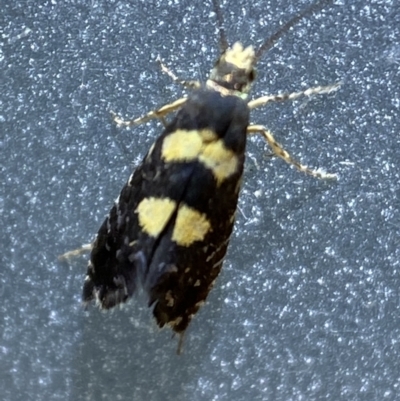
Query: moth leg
point(186, 84)
point(76, 252)
point(283, 154)
point(160, 114)
point(163, 111)
point(282, 97)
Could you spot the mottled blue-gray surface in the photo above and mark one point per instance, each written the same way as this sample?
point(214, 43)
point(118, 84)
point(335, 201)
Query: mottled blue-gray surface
point(307, 305)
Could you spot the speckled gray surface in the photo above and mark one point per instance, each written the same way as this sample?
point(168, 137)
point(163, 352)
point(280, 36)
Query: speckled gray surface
point(307, 306)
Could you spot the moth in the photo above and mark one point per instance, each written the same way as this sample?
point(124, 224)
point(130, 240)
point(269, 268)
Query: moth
point(169, 229)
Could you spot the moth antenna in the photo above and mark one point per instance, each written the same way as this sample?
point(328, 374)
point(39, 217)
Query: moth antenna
point(270, 42)
point(223, 42)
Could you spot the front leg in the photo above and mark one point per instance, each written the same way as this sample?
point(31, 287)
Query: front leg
point(160, 114)
point(316, 90)
point(283, 154)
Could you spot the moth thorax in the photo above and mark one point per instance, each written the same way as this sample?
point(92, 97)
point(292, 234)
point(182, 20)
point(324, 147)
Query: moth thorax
point(235, 70)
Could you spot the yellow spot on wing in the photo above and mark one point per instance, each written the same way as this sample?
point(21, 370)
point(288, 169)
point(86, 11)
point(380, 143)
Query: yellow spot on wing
point(204, 146)
point(208, 135)
point(190, 226)
point(154, 214)
point(182, 146)
point(222, 161)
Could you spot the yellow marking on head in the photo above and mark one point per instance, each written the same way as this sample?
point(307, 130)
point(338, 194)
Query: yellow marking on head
point(154, 214)
point(204, 146)
point(190, 226)
point(242, 58)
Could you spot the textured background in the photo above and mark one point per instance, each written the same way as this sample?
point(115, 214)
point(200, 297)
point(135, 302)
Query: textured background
point(306, 307)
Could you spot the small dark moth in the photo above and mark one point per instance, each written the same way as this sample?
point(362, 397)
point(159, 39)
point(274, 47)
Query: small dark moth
point(169, 230)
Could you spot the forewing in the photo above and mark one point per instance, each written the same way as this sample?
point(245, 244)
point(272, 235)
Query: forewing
point(170, 226)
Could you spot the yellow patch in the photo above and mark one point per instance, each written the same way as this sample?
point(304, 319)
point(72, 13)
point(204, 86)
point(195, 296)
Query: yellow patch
point(154, 214)
point(242, 58)
point(220, 160)
point(208, 135)
point(201, 145)
point(190, 226)
point(181, 146)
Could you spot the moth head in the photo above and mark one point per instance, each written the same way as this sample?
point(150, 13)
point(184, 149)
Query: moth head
point(235, 69)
